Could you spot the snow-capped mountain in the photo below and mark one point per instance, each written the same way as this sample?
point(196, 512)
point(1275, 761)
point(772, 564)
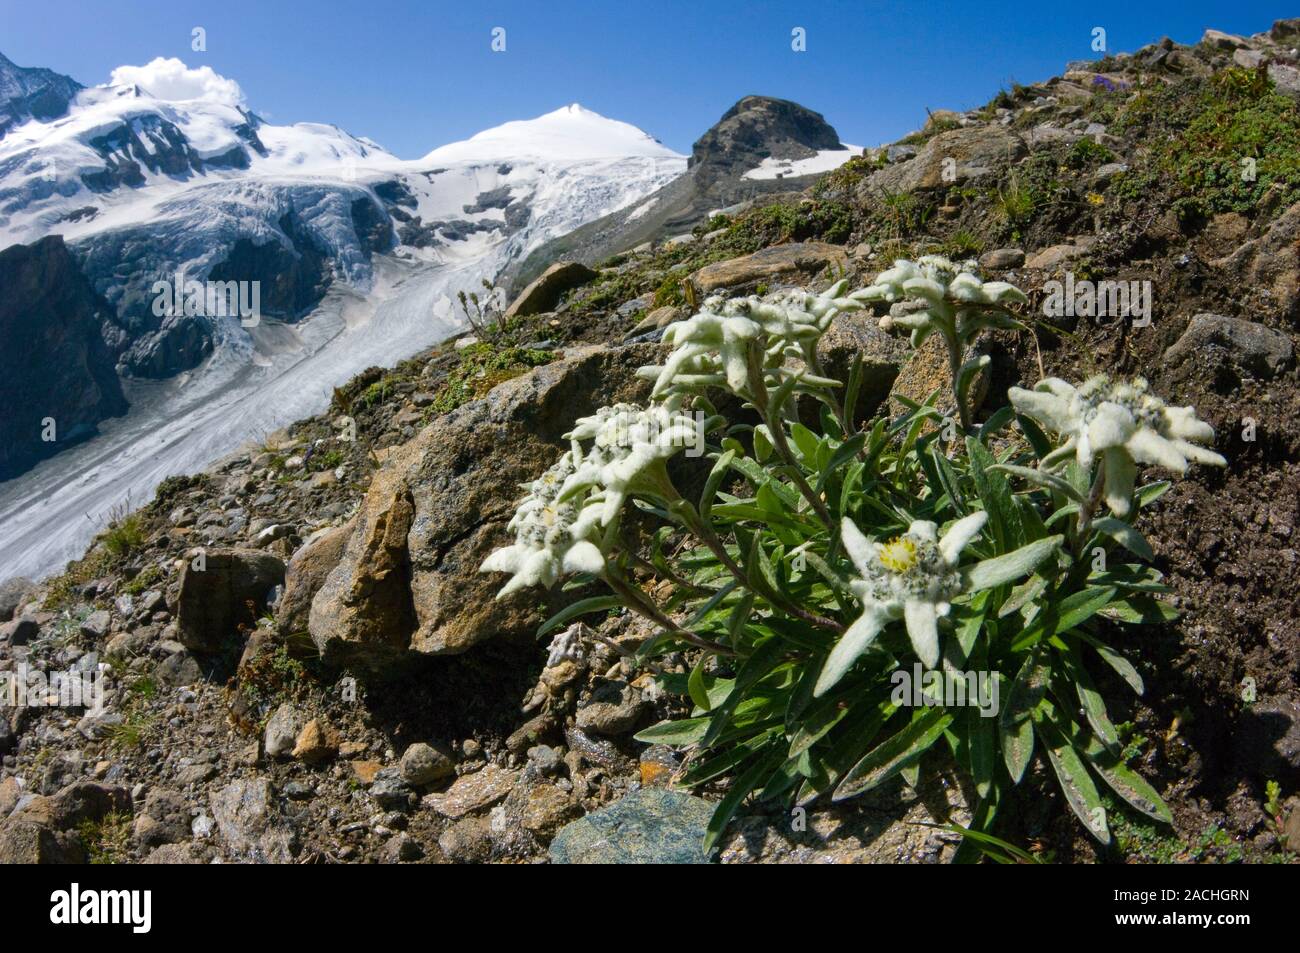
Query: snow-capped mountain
point(165, 171)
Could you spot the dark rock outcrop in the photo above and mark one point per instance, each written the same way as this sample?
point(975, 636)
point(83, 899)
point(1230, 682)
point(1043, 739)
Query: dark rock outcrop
point(32, 93)
point(57, 366)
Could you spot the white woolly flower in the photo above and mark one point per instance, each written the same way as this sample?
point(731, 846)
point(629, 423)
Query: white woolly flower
point(1123, 422)
point(913, 577)
point(713, 346)
point(959, 303)
point(552, 535)
point(630, 447)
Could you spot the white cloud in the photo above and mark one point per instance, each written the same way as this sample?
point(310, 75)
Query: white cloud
point(170, 79)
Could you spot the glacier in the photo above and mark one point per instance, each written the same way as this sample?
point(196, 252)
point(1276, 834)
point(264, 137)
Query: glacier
point(467, 210)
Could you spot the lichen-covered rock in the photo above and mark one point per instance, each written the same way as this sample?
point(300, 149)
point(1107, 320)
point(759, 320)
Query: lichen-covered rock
point(305, 574)
point(409, 580)
point(1249, 347)
point(650, 826)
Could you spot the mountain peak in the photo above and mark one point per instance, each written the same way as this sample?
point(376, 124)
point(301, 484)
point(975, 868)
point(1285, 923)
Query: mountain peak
point(758, 128)
point(570, 132)
point(32, 92)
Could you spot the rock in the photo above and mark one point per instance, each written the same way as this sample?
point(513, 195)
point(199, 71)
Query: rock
point(468, 841)
point(390, 791)
point(316, 742)
point(424, 764)
point(473, 792)
point(282, 732)
point(19, 631)
point(649, 826)
point(11, 792)
point(42, 830)
point(615, 708)
point(546, 809)
point(1286, 79)
point(22, 842)
point(928, 369)
point(177, 670)
point(214, 601)
point(172, 854)
point(1248, 59)
point(164, 819)
point(1218, 40)
point(955, 157)
point(857, 333)
point(402, 849)
point(1260, 352)
point(12, 592)
point(366, 771)
point(305, 574)
point(1000, 259)
point(1285, 31)
point(408, 582)
point(1270, 263)
point(96, 625)
point(657, 320)
point(543, 294)
point(1048, 258)
point(658, 764)
point(768, 263)
point(248, 820)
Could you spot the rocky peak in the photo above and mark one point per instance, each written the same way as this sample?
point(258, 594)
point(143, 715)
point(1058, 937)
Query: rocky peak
point(758, 127)
point(27, 93)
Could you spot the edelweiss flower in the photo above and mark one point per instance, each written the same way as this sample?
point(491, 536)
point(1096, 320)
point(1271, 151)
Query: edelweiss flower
point(959, 303)
point(551, 534)
point(630, 449)
point(714, 345)
point(1124, 422)
point(913, 577)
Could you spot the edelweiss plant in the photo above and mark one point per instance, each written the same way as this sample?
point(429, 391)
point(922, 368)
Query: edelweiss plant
point(823, 559)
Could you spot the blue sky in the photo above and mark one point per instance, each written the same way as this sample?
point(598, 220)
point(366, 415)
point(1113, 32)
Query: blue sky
point(415, 75)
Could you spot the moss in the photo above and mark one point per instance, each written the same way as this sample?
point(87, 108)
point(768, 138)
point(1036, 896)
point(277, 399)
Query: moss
point(1199, 135)
point(146, 578)
point(481, 368)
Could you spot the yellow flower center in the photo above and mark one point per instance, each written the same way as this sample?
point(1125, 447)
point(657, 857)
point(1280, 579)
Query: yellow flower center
point(898, 555)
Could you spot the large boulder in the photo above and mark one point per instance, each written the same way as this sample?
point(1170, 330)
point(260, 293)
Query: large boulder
point(222, 590)
point(768, 263)
point(544, 293)
point(408, 581)
point(306, 573)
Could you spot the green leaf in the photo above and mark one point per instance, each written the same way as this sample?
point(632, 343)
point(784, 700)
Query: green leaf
point(695, 686)
point(1122, 666)
point(995, 492)
point(1077, 785)
point(764, 658)
point(1126, 536)
point(1049, 481)
point(806, 442)
point(1009, 566)
point(1128, 784)
point(981, 744)
point(1073, 610)
point(1151, 492)
point(581, 607)
point(842, 455)
point(684, 731)
point(1094, 706)
point(716, 476)
point(1016, 723)
point(1141, 610)
point(888, 758)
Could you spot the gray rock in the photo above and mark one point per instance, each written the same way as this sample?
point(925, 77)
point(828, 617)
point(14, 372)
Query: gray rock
point(614, 709)
point(19, 631)
point(650, 826)
point(96, 625)
point(423, 764)
point(282, 731)
point(390, 791)
point(1258, 351)
point(249, 822)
